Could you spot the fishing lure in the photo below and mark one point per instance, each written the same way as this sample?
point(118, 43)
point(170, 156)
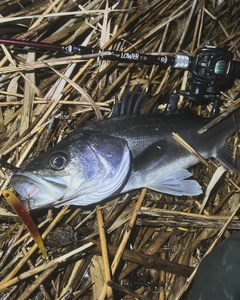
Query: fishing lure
point(25, 218)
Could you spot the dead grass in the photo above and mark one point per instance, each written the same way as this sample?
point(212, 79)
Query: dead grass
point(146, 246)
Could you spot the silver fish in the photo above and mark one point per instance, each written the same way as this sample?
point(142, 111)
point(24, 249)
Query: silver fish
point(120, 154)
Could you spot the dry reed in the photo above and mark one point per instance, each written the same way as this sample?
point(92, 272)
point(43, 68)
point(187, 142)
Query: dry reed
point(149, 241)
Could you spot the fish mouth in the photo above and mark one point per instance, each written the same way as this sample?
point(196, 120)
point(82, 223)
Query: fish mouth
point(37, 192)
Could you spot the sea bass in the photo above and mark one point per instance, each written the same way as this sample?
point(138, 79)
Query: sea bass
point(112, 156)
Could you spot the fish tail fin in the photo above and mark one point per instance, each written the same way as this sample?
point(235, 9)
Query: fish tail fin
point(225, 155)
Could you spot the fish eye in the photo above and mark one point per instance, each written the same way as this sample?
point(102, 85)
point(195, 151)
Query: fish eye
point(58, 162)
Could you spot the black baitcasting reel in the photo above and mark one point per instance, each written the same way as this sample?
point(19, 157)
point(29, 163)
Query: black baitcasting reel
point(209, 71)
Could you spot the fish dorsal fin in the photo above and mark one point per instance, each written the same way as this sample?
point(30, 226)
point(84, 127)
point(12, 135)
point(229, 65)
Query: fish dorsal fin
point(131, 102)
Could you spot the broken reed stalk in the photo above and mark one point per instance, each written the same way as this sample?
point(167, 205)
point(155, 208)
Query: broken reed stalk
point(81, 91)
point(124, 241)
point(126, 291)
point(34, 247)
point(189, 19)
point(147, 260)
point(38, 100)
point(42, 267)
point(58, 14)
point(68, 287)
point(183, 143)
point(103, 242)
point(50, 62)
point(38, 281)
point(179, 219)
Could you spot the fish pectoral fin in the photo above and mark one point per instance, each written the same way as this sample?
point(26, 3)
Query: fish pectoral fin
point(174, 183)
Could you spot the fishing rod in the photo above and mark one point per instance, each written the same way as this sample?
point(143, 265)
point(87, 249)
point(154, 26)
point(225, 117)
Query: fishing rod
point(177, 61)
point(209, 69)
